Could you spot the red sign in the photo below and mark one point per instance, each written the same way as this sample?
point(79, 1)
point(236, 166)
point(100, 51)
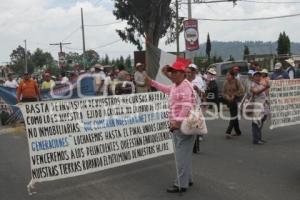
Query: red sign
point(190, 27)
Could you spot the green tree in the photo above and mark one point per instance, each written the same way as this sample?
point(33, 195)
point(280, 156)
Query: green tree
point(92, 57)
point(208, 47)
point(128, 62)
point(284, 44)
point(40, 58)
point(231, 58)
point(246, 52)
point(219, 59)
point(17, 58)
point(148, 18)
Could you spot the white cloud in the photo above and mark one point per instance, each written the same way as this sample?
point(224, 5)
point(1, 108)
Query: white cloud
point(41, 23)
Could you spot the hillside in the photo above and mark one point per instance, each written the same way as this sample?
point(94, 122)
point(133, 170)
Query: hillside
point(236, 49)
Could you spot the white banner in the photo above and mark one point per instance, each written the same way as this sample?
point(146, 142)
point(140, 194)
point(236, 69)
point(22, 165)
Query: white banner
point(74, 137)
point(285, 103)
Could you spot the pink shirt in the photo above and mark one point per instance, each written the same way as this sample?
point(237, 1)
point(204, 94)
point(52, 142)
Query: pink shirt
point(181, 99)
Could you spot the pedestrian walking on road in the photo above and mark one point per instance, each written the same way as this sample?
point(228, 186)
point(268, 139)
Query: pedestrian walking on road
point(232, 92)
point(260, 110)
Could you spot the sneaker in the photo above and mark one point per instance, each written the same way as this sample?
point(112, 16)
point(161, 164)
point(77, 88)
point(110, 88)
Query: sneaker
point(228, 136)
point(175, 189)
point(259, 143)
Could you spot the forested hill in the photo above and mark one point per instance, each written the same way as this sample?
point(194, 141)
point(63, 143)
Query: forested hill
point(236, 48)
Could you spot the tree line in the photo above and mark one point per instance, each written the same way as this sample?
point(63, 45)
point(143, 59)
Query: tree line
point(40, 60)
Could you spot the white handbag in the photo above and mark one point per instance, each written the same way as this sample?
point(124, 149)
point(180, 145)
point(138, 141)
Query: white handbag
point(194, 123)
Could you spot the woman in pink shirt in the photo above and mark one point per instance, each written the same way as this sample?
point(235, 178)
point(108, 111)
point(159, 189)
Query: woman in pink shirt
point(181, 100)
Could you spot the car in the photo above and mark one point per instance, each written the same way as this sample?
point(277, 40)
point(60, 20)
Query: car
point(223, 67)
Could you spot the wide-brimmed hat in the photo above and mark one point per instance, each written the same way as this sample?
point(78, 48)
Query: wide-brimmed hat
point(264, 71)
point(278, 65)
point(180, 64)
point(138, 64)
point(291, 62)
point(98, 66)
point(212, 71)
point(193, 66)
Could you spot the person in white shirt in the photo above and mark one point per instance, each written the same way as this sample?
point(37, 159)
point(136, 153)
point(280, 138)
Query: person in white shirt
point(99, 79)
point(12, 83)
point(64, 79)
point(139, 79)
point(291, 69)
point(196, 79)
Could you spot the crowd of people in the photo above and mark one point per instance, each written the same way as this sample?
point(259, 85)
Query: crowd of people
point(189, 88)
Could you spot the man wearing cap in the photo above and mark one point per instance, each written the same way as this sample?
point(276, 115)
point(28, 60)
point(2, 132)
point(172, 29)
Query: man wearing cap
point(291, 69)
point(212, 90)
point(236, 71)
point(28, 90)
point(279, 73)
point(181, 101)
point(139, 79)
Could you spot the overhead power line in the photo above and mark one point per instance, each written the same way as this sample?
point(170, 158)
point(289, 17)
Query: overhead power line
point(271, 2)
point(70, 34)
point(95, 25)
point(98, 47)
point(250, 19)
point(108, 44)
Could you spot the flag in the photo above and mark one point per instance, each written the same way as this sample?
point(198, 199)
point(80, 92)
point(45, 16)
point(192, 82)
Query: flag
point(157, 59)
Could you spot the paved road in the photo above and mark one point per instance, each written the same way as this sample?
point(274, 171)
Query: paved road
point(224, 170)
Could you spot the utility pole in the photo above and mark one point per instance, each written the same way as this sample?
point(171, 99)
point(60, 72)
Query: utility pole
point(61, 54)
point(83, 38)
point(26, 68)
point(190, 9)
point(177, 28)
point(60, 45)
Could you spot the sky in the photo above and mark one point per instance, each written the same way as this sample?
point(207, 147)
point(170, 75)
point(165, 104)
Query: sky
point(41, 22)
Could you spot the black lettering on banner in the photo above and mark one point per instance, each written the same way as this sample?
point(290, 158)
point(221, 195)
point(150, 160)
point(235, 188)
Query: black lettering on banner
point(36, 108)
point(45, 172)
point(162, 147)
point(102, 148)
point(71, 167)
point(112, 134)
point(32, 132)
point(50, 157)
point(77, 153)
point(62, 129)
point(72, 136)
point(143, 151)
point(88, 138)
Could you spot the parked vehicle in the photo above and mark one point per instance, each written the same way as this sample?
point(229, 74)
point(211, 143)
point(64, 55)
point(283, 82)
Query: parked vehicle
point(223, 67)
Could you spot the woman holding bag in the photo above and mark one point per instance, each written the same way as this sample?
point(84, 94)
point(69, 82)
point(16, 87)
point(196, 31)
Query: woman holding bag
point(181, 101)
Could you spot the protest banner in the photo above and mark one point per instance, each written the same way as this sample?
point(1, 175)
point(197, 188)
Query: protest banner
point(73, 137)
point(285, 103)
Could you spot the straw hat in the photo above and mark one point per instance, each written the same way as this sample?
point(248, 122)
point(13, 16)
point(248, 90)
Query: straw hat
point(291, 62)
point(212, 71)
